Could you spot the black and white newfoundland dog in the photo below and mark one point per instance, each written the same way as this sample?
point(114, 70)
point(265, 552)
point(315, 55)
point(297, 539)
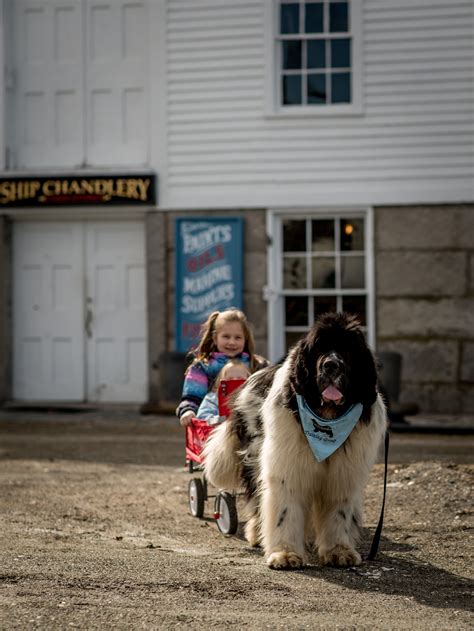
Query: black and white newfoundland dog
point(294, 499)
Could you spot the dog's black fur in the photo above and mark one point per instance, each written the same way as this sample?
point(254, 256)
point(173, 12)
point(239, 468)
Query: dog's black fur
point(334, 352)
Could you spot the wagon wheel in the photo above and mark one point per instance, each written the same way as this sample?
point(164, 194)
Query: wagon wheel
point(196, 497)
point(225, 513)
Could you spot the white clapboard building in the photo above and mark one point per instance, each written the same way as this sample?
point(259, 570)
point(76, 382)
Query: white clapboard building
point(340, 131)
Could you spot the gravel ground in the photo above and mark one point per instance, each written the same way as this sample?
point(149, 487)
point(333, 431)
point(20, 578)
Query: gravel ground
point(96, 534)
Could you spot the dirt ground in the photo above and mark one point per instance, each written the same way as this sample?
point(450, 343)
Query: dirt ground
point(96, 534)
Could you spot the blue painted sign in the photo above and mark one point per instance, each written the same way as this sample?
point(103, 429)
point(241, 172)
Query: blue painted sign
point(208, 273)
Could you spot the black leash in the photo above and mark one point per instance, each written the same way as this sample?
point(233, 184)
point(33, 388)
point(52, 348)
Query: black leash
point(378, 531)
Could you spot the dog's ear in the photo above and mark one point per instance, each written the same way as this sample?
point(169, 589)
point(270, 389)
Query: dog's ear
point(366, 376)
point(300, 366)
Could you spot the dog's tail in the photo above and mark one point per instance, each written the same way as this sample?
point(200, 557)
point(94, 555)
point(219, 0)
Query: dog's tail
point(222, 465)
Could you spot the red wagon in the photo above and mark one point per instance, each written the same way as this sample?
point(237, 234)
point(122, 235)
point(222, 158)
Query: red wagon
point(225, 510)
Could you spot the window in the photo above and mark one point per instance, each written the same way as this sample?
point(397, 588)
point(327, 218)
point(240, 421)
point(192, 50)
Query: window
point(321, 262)
point(316, 56)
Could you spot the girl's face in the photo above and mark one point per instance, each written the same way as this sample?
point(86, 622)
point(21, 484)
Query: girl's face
point(236, 372)
point(230, 339)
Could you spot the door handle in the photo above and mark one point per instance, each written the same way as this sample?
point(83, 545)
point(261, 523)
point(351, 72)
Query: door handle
point(88, 322)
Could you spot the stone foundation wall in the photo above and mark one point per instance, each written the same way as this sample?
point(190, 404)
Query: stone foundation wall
point(424, 265)
point(155, 231)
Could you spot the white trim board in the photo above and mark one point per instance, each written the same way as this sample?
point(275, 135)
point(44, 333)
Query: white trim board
point(399, 192)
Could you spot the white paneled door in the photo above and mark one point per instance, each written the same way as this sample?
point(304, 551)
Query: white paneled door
point(115, 312)
point(80, 93)
point(48, 92)
point(48, 345)
point(79, 311)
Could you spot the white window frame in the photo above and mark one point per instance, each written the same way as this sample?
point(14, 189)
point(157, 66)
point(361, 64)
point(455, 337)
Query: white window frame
point(274, 292)
point(273, 106)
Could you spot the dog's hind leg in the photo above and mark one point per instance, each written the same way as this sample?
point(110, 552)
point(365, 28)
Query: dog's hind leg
point(221, 461)
point(252, 526)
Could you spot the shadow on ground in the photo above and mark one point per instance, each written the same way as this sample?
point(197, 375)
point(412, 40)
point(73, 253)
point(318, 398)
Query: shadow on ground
point(397, 576)
point(393, 575)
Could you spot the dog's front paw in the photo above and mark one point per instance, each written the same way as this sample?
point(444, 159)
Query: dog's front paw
point(340, 556)
point(285, 560)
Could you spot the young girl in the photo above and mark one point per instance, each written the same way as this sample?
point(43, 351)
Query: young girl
point(225, 335)
point(209, 408)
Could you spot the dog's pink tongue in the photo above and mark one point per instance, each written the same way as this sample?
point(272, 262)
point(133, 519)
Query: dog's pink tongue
point(332, 394)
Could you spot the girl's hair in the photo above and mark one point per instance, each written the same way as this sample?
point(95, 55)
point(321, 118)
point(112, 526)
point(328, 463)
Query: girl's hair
point(225, 369)
point(212, 325)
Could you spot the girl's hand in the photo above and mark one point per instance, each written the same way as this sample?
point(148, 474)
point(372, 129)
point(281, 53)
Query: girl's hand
point(186, 418)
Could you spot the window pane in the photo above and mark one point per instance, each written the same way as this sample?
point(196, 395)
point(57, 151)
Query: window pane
point(357, 306)
point(296, 311)
point(324, 272)
point(292, 90)
point(313, 20)
point(317, 88)
point(341, 53)
point(341, 87)
point(294, 272)
point(294, 235)
point(322, 235)
point(289, 18)
point(352, 234)
point(323, 304)
point(338, 17)
point(291, 55)
point(316, 53)
point(291, 337)
point(352, 272)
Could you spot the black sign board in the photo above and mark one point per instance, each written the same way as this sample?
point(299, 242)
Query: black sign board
point(136, 189)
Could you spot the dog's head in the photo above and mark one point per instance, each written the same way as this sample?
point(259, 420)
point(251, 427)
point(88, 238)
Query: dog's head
point(333, 367)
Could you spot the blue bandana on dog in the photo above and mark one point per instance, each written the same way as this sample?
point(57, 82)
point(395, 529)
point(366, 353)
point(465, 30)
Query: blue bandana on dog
point(324, 436)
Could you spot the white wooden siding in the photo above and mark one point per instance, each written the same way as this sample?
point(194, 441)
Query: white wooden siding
point(413, 142)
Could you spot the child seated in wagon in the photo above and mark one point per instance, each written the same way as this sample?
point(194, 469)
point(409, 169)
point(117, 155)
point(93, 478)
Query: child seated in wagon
point(214, 409)
point(214, 406)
